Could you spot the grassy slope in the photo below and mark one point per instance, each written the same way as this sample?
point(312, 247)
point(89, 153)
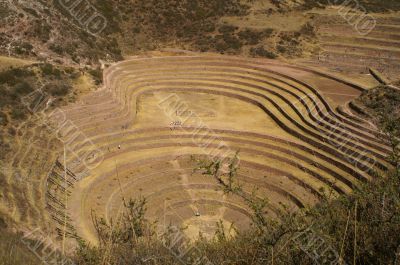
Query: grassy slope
point(46, 30)
point(13, 251)
point(19, 197)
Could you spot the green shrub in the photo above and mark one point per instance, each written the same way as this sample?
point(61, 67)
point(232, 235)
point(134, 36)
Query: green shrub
point(12, 75)
point(308, 30)
point(4, 10)
point(107, 9)
point(31, 11)
point(262, 52)
point(23, 88)
point(205, 43)
point(380, 100)
point(41, 30)
point(50, 70)
point(253, 37)
point(227, 29)
point(4, 150)
point(23, 48)
point(232, 41)
point(58, 89)
point(3, 119)
point(136, 30)
point(6, 77)
point(97, 75)
point(17, 113)
point(56, 48)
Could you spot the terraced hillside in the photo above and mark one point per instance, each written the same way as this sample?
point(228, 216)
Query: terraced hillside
point(348, 48)
point(144, 132)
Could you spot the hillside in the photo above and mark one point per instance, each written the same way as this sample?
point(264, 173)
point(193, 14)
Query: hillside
point(49, 30)
point(237, 126)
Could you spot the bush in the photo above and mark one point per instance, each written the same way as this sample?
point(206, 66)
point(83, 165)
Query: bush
point(31, 11)
point(227, 29)
point(136, 30)
point(253, 37)
point(308, 30)
point(58, 89)
point(56, 48)
point(97, 75)
point(22, 88)
point(205, 43)
point(11, 75)
point(23, 48)
point(50, 70)
point(18, 113)
point(41, 30)
point(232, 42)
point(6, 77)
point(381, 100)
point(262, 52)
point(4, 150)
point(3, 119)
point(4, 10)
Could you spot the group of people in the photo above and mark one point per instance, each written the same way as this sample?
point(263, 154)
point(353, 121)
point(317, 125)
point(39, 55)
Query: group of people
point(173, 125)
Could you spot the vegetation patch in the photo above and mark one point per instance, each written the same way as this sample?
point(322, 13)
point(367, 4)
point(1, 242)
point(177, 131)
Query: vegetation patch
point(17, 83)
point(13, 250)
point(260, 51)
point(378, 102)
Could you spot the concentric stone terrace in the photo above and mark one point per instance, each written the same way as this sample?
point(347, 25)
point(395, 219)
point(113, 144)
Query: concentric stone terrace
point(293, 144)
point(348, 50)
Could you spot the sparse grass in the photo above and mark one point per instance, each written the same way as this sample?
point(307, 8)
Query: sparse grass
point(8, 62)
point(21, 82)
point(16, 83)
point(13, 251)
